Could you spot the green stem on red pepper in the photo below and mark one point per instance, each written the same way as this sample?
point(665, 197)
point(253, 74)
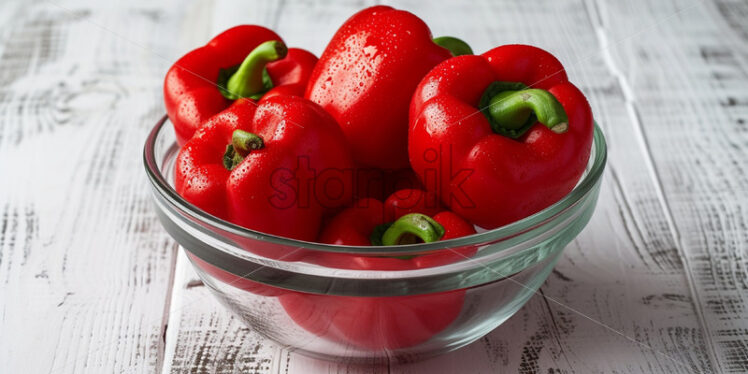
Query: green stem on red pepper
point(512, 108)
point(250, 79)
point(455, 46)
point(411, 228)
point(242, 143)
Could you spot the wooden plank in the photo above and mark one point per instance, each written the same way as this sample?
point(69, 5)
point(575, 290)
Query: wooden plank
point(624, 271)
point(687, 86)
point(734, 14)
point(85, 267)
point(203, 338)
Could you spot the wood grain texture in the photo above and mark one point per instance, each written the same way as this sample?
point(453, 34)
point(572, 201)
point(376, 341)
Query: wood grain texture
point(688, 86)
point(85, 268)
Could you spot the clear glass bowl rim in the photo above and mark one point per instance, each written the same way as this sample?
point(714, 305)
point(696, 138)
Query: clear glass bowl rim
point(585, 185)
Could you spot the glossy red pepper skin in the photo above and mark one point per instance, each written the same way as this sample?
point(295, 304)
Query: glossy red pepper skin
point(366, 76)
point(191, 93)
point(413, 200)
point(380, 322)
point(491, 179)
point(266, 191)
point(291, 74)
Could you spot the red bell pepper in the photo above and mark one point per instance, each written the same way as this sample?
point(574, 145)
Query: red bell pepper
point(383, 322)
point(366, 221)
point(374, 323)
point(264, 167)
point(501, 135)
point(366, 77)
point(244, 61)
point(412, 200)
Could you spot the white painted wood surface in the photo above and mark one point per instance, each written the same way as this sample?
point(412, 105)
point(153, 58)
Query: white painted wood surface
point(89, 282)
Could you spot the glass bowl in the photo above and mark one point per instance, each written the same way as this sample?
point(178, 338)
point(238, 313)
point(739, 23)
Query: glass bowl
point(279, 289)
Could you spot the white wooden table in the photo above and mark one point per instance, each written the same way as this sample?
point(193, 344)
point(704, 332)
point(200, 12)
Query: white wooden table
point(657, 283)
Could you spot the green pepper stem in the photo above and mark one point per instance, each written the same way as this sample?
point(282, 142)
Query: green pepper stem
point(231, 158)
point(457, 47)
point(411, 227)
point(511, 110)
point(242, 143)
point(245, 142)
point(247, 80)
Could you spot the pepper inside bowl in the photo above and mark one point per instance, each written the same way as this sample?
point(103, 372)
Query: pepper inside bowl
point(312, 297)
